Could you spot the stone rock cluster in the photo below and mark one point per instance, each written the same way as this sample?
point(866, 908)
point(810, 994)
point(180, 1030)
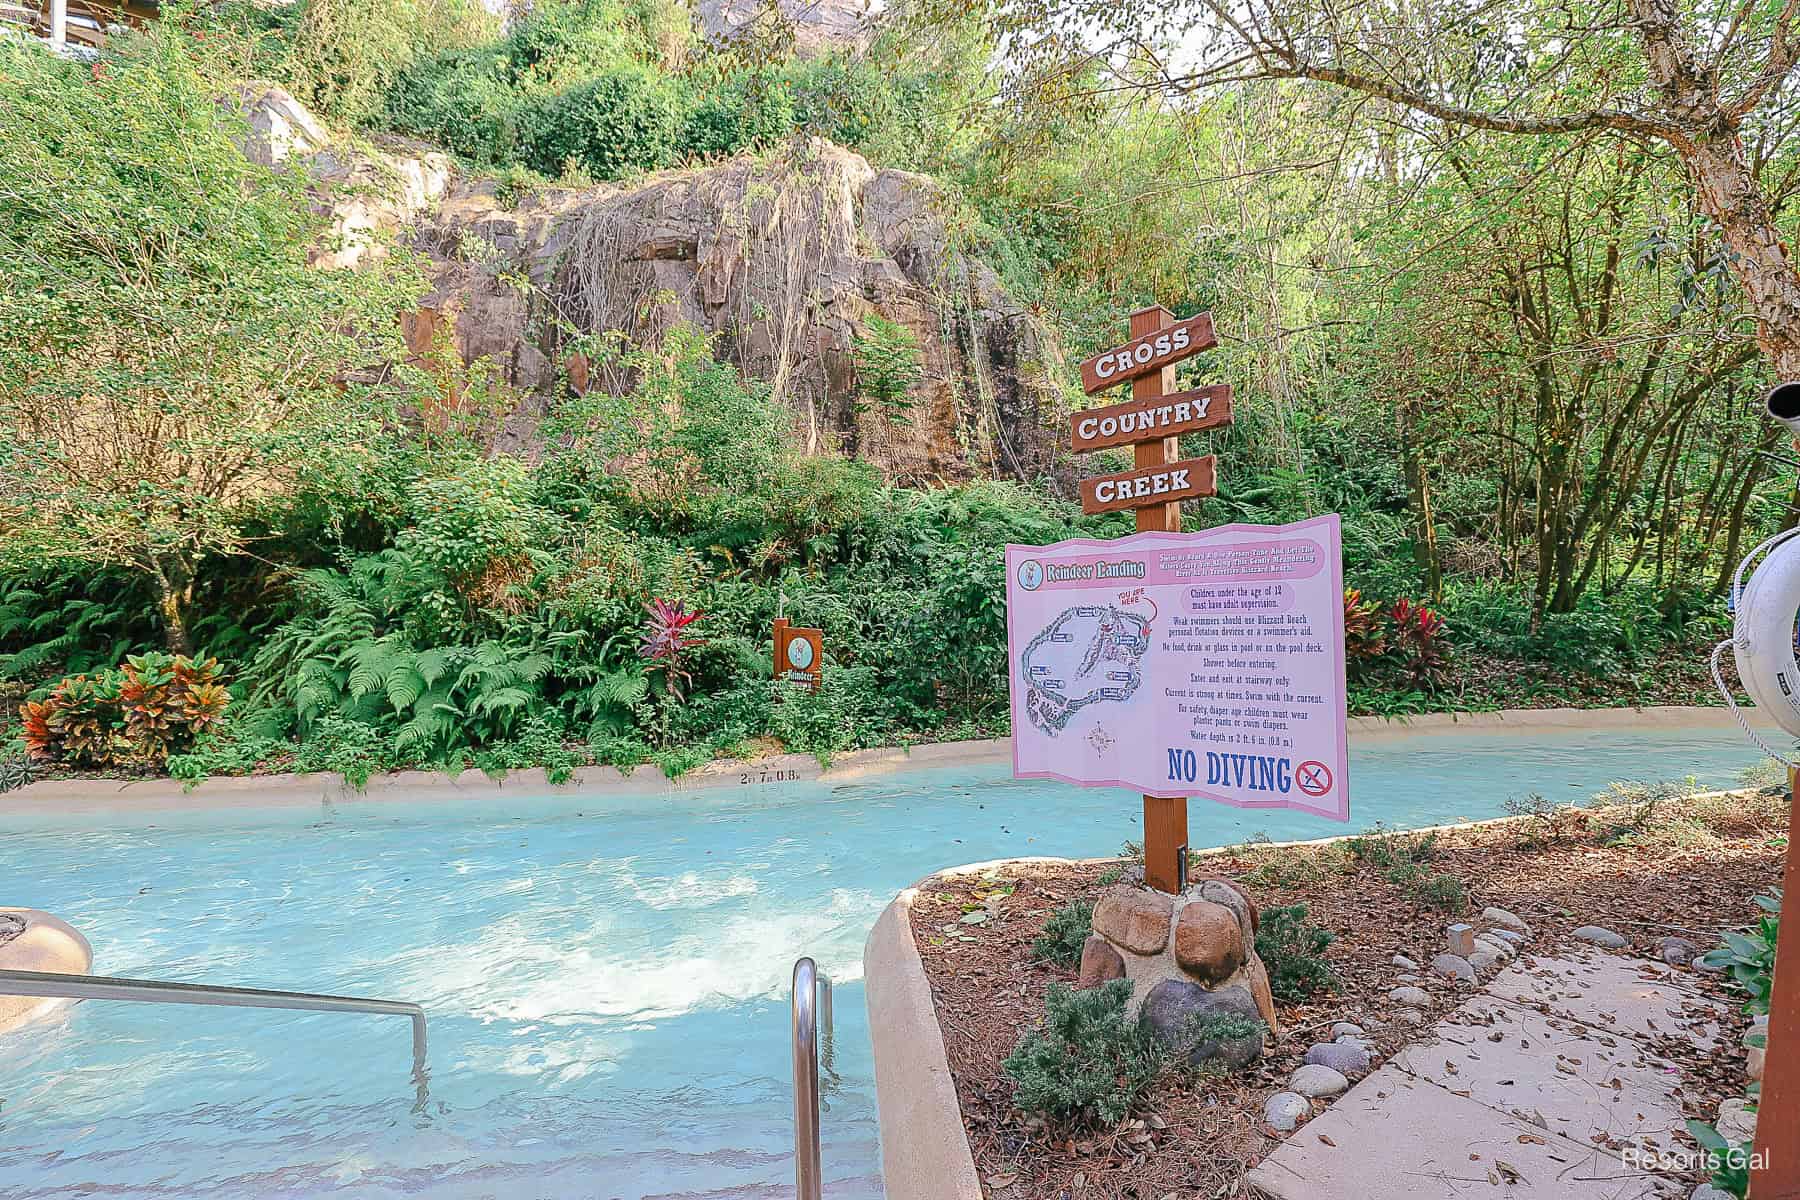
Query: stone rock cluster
point(1189, 958)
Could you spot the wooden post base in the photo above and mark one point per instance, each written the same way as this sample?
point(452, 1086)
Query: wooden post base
point(1775, 1165)
point(1165, 842)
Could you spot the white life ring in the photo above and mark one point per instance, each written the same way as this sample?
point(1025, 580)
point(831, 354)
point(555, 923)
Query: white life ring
point(1762, 632)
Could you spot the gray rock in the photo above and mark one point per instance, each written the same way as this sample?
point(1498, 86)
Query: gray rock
point(1174, 1005)
point(1318, 1082)
point(1405, 963)
point(1677, 951)
point(1601, 937)
point(1454, 966)
point(1505, 920)
point(1707, 1191)
point(1407, 977)
point(1410, 1016)
point(1346, 1028)
point(1504, 949)
point(1737, 1120)
point(1349, 1059)
point(1460, 939)
point(1510, 937)
point(1753, 1062)
point(1484, 959)
point(1413, 997)
point(1284, 1110)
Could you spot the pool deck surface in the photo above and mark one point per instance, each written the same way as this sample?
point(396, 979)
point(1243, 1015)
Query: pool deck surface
point(1542, 1086)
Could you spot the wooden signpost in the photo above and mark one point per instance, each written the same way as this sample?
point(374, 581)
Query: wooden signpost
point(1775, 1157)
point(799, 655)
point(1151, 422)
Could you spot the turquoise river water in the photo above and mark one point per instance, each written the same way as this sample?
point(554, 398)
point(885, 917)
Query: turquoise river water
point(606, 978)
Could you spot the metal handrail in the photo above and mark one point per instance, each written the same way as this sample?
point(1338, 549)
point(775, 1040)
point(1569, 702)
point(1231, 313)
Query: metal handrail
point(812, 994)
point(104, 987)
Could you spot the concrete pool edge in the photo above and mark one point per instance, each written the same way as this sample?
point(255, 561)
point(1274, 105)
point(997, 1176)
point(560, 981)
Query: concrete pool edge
point(925, 1151)
point(84, 795)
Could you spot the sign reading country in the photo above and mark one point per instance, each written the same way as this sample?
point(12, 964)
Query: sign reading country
point(1149, 353)
point(1184, 664)
point(1146, 420)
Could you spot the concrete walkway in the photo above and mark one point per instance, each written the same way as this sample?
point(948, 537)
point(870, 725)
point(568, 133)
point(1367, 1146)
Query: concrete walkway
point(1542, 1086)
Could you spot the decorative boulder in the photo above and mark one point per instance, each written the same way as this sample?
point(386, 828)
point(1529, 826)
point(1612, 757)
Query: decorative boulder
point(1186, 956)
point(1349, 1059)
point(1099, 963)
point(1176, 1009)
point(31, 940)
point(1209, 941)
point(1135, 919)
point(1258, 977)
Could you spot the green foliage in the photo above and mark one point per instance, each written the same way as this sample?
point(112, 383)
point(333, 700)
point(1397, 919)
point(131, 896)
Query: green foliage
point(153, 706)
point(888, 366)
point(1290, 947)
point(1730, 1164)
point(172, 372)
point(16, 771)
point(628, 120)
point(1065, 933)
point(1750, 955)
point(1089, 1062)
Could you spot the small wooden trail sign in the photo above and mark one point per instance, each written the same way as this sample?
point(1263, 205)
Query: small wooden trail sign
point(799, 655)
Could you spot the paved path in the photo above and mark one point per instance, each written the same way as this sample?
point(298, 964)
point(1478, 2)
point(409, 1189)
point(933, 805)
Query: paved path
point(1533, 1089)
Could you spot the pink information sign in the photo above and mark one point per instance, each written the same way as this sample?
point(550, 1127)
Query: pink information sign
point(1184, 664)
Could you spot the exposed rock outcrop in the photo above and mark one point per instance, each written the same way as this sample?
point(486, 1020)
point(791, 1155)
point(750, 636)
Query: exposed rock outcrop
point(785, 260)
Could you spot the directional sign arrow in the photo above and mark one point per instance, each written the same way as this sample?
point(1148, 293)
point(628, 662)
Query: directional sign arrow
point(1149, 353)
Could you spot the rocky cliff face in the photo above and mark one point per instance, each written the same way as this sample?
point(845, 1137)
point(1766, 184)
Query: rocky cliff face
point(784, 259)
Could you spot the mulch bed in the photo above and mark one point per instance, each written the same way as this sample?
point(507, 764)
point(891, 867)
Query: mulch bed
point(1687, 867)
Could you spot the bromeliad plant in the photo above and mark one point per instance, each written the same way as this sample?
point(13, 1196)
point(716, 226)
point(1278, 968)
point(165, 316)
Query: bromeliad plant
point(1365, 636)
point(1423, 647)
point(153, 706)
point(667, 642)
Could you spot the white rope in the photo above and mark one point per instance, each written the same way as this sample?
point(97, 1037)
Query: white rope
point(1731, 702)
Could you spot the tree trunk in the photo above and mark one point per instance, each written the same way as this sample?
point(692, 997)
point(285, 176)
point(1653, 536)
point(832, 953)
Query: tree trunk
point(1728, 193)
point(1418, 491)
point(174, 581)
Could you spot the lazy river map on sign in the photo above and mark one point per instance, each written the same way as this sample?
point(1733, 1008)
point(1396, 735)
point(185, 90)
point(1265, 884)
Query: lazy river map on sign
point(1184, 664)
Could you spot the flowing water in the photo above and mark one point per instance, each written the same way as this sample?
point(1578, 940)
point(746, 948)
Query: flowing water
point(605, 977)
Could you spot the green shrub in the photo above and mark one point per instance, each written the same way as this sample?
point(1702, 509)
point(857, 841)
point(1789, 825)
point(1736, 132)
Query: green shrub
point(1065, 933)
point(1290, 947)
point(1750, 955)
point(627, 120)
point(1089, 1062)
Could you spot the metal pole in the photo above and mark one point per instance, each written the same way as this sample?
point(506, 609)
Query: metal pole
point(806, 1080)
point(104, 987)
point(59, 23)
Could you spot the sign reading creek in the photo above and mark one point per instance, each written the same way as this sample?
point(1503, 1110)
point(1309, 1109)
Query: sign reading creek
point(1184, 664)
point(1144, 486)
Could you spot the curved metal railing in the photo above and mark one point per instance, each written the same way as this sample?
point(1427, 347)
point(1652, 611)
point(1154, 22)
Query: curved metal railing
point(104, 987)
point(812, 996)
